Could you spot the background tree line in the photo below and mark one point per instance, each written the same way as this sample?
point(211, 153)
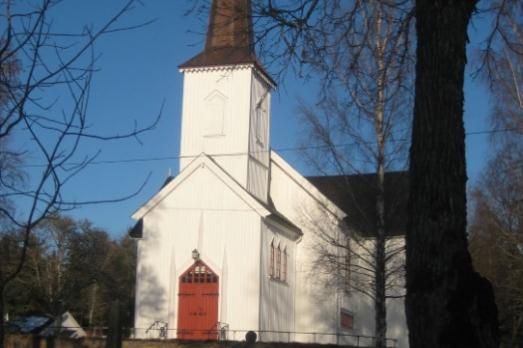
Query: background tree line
point(71, 266)
point(496, 225)
point(45, 88)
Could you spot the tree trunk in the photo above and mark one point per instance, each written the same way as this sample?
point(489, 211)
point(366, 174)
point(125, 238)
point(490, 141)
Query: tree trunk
point(380, 271)
point(380, 306)
point(447, 304)
point(93, 304)
point(2, 317)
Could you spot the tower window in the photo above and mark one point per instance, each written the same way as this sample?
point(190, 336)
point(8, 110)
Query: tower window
point(214, 114)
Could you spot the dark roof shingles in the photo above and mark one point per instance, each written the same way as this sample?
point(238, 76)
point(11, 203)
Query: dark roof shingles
point(356, 196)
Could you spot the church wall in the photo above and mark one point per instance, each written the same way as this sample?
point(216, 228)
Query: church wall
point(396, 320)
point(215, 117)
point(201, 213)
point(257, 181)
point(277, 296)
point(318, 300)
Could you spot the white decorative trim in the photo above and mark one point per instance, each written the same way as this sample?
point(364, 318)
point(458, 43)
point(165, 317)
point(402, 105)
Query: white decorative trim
point(200, 69)
point(217, 68)
point(280, 229)
point(261, 75)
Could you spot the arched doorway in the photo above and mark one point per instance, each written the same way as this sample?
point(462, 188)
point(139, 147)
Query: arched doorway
point(198, 303)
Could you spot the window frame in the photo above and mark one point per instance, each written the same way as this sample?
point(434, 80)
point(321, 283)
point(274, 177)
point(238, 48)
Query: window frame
point(271, 260)
point(278, 263)
point(344, 313)
point(283, 277)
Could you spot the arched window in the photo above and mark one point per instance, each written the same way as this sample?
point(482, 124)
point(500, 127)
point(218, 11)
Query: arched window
point(278, 263)
point(284, 266)
point(271, 261)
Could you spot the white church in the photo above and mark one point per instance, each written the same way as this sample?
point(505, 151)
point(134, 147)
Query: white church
point(230, 244)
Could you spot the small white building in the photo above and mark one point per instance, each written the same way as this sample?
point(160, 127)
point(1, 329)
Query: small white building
point(229, 244)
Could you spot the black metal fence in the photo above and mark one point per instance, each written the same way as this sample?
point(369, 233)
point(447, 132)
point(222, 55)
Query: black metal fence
point(160, 330)
point(224, 333)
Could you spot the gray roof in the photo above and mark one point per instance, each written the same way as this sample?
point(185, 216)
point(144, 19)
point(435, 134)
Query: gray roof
point(29, 324)
point(356, 196)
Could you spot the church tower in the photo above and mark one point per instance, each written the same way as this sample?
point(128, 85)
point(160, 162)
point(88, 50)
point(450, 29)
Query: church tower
point(226, 100)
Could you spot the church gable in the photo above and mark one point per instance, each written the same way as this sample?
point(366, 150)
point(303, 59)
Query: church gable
point(202, 182)
point(294, 196)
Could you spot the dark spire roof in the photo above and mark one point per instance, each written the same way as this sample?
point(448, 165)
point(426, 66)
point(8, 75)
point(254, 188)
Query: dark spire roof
point(230, 26)
point(230, 38)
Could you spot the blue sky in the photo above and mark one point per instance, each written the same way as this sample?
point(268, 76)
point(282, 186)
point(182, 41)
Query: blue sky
point(138, 73)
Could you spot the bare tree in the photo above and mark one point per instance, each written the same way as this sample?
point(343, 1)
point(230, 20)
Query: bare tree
point(502, 68)
point(362, 55)
point(361, 124)
point(36, 65)
point(350, 256)
point(496, 238)
point(496, 231)
point(72, 266)
point(448, 304)
point(48, 262)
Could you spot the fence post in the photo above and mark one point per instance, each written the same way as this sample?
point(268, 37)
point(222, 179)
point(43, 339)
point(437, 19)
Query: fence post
point(114, 334)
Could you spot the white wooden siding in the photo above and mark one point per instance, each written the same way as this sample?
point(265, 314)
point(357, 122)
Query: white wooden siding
point(258, 179)
point(230, 87)
point(277, 297)
point(200, 213)
point(318, 300)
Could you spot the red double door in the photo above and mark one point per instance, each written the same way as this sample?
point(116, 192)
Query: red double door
point(198, 303)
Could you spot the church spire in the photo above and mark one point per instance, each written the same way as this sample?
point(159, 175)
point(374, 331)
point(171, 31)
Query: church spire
point(229, 38)
point(230, 26)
